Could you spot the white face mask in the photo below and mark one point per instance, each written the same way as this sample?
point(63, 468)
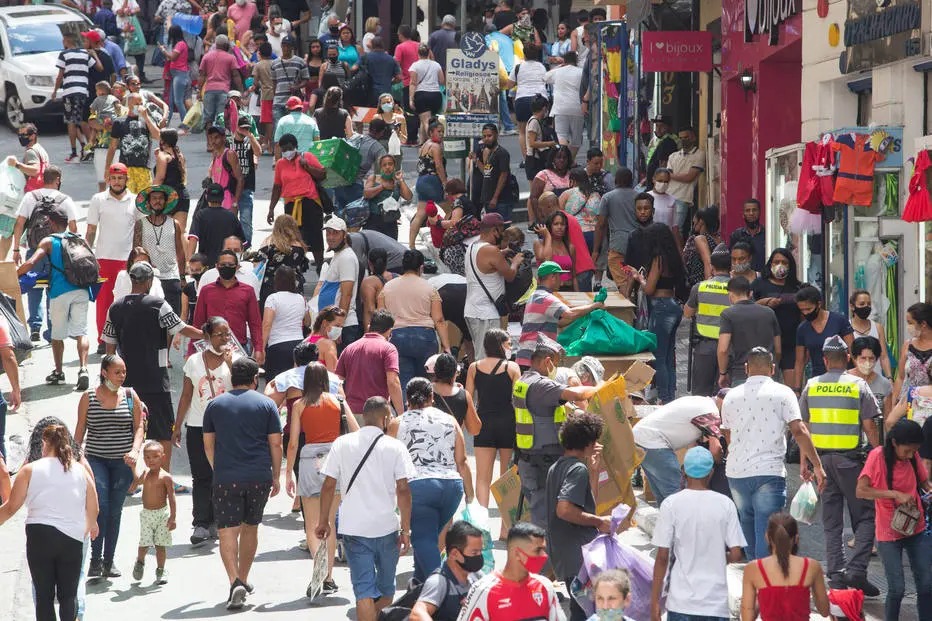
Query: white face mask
point(865, 367)
point(553, 372)
point(661, 187)
point(241, 2)
point(913, 331)
point(334, 332)
point(507, 353)
point(214, 350)
point(110, 385)
point(289, 155)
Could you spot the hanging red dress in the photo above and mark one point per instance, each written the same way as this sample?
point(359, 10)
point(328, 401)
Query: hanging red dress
point(918, 206)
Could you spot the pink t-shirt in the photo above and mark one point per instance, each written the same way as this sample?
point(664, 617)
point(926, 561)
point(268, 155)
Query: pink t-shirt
point(181, 61)
point(406, 55)
point(241, 16)
point(363, 366)
point(904, 480)
point(218, 66)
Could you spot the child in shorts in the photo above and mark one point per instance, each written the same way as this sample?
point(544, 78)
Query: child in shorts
point(157, 519)
point(104, 109)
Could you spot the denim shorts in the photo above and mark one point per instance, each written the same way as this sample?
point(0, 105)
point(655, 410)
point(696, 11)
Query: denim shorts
point(429, 188)
point(372, 562)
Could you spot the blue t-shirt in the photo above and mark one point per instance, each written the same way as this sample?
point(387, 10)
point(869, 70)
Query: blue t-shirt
point(242, 421)
point(382, 68)
point(813, 341)
point(58, 283)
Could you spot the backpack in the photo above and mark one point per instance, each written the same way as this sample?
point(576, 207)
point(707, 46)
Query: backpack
point(19, 333)
point(79, 265)
point(39, 226)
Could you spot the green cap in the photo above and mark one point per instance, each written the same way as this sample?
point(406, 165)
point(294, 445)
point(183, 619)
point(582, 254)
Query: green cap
point(550, 267)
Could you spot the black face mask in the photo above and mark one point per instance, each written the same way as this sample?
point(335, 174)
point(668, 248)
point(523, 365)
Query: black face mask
point(471, 564)
point(24, 140)
point(197, 277)
point(863, 312)
point(334, 30)
point(813, 315)
point(333, 61)
point(227, 272)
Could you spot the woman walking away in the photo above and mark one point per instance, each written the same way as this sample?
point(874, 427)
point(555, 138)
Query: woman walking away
point(176, 55)
point(697, 255)
point(438, 451)
point(61, 499)
point(322, 418)
point(778, 587)
point(110, 427)
point(171, 170)
point(450, 396)
point(426, 81)
point(283, 322)
point(893, 476)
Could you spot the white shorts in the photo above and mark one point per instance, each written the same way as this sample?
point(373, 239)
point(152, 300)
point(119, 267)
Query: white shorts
point(68, 314)
point(569, 129)
point(153, 528)
point(310, 480)
point(100, 163)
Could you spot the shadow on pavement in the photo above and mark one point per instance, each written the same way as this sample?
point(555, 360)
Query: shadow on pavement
point(188, 612)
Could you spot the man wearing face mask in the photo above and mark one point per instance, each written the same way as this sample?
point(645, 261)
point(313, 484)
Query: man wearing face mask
point(753, 233)
point(707, 300)
point(132, 136)
point(518, 591)
point(539, 412)
point(330, 31)
point(245, 271)
point(744, 326)
point(665, 204)
point(445, 590)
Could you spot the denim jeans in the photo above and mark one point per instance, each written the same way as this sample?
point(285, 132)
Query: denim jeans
point(433, 503)
point(584, 281)
point(345, 195)
point(112, 478)
point(372, 563)
point(757, 498)
point(34, 295)
point(181, 82)
point(502, 208)
point(244, 207)
point(507, 124)
point(662, 470)
point(3, 409)
point(678, 616)
point(278, 111)
point(919, 550)
point(214, 103)
point(415, 346)
point(665, 317)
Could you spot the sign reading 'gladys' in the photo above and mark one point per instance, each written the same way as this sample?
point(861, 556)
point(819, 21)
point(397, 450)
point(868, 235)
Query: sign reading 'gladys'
point(676, 50)
point(765, 16)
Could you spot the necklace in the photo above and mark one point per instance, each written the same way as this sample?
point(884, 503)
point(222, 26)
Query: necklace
point(158, 230)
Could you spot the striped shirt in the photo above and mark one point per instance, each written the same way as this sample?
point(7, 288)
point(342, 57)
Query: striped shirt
point(76, 64)
point(541, 316)
point(287, 72)
point(109, 432)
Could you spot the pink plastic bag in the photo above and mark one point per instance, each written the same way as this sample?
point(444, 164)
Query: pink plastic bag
point(608, 552)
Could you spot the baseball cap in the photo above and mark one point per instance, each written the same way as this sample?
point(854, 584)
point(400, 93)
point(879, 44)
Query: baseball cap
point(550, 267)
point(288, 40)
point(235, 93)
point(662, 118)
point(141, 271)
point(592, 366)
point(214, 129)
point(491, 220)
point(430, 364)
point(100, 31)
point(335, 224)
point(118, 169)
point(834, 343)
point(721, 249)
point(244, 121)
point(698, 463)
point(214, 193)
point(294, 103)
point(93, 36)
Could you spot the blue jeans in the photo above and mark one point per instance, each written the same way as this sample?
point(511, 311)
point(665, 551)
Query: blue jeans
point(245, 213)
point(919, 550)
point(757, 498)
point(433, 503)
point(181, 82)
point(372, 563)
point(345, 195)
point(34, 295)
point(277, 113)
point(584, 281)
point(507, 124)
point(415, 346)
point(214, 103)
point(662, 470)
point(502, 208)
point(678, 616)
point(665, 317)
point(2, 427)
point(112, 478)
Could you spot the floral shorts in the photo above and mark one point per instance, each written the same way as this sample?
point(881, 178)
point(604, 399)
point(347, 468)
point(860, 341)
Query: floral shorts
point(240, 503)
point(74, 108)
point(138, 178)
point(153, 528)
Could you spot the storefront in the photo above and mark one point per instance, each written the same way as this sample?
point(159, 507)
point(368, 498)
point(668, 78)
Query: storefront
point(761, 66)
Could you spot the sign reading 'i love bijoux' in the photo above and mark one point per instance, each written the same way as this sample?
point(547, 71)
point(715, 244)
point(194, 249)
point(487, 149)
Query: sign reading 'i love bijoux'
point(676, 50)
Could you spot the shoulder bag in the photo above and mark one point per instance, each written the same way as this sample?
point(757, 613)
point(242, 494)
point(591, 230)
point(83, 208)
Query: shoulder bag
point(500, 303)
point(362, 462)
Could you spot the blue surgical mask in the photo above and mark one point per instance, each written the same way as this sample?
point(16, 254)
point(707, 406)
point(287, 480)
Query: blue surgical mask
point(610, 614)
point(387, 107)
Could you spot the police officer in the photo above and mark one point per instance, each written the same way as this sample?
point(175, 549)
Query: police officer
point(706, 302)
point(539, 412)
point(837, 406)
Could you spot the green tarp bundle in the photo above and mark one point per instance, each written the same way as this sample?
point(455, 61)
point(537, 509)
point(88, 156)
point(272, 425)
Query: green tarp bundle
point(601, 333)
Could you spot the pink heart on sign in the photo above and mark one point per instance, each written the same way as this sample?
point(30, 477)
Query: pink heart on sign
point(659, 45)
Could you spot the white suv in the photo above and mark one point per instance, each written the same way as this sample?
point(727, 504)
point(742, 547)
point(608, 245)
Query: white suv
point(30, 40)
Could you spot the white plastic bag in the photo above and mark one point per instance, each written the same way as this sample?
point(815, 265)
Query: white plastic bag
point(805, 504)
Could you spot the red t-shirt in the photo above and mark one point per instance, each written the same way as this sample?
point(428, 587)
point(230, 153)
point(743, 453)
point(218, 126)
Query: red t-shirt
point(406, 55)
point(904, 480)
point(294, 180)
point(363, 366)
point(495, 598)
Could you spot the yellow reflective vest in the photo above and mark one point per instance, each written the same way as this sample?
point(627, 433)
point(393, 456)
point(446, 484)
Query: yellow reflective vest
point(712, 296)
point(834, 415)
point(525, 437)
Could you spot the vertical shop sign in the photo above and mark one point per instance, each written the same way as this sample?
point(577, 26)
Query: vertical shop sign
point(472, 93)
point(765, 16)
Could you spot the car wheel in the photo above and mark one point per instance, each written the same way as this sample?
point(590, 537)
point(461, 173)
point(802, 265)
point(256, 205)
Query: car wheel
point(13, 110)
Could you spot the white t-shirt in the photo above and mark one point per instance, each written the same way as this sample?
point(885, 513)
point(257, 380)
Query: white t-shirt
point(428, 75)
point(670, 426)
point(289, 316)
point(275, 40)
point(698, 539)
point(680, 163)
point(245, 273)
point(194, 370)
point(344, 267)
point(757, 413)
point(664, 208)
point(115, 220)
point(530, 79)
point(368, 510)
point(566, 99)
point(30, 199)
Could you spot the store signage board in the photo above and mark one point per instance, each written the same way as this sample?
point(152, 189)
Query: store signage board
point(894, 154)
point(472, 93)
point(765, 16)
point(678, 50)
point(880, 32)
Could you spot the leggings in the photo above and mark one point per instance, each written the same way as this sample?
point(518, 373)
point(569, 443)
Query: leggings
point(55, 561)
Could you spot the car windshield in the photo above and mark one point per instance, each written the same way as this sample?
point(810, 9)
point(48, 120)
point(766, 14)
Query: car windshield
point(36, 38)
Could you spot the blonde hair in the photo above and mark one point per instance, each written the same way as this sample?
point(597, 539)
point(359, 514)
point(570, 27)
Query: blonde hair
point(618, 578)
point(372, 24)
point(285, 234)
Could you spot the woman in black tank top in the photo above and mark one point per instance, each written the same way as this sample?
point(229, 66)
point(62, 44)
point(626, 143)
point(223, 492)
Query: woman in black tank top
point(451, 397)
point(170, 170)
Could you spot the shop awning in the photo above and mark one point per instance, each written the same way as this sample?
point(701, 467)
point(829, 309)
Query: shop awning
point(861, 85)
point(924, 66)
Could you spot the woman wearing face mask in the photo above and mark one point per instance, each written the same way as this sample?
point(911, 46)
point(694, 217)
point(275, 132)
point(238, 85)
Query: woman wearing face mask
point(110, 428)
point(328, 325)
point(777, 289)
point(387, 183)
point(283, 321)
point(276, 28)
point(865, 352)
point(697, 254)
point(123, 285)
point(206, 375)
point(335, 67)
point(861, 310)
point(394, 116)
point(611, 591)
point(741, 256)
point(818, 324)
point(893, 476)
point(283, 247)
point(915, 365)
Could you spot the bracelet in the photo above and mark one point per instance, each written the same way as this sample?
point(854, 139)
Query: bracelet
point(721, 374)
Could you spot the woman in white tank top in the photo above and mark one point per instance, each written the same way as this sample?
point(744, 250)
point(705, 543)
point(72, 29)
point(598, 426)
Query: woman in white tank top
point(60, 497)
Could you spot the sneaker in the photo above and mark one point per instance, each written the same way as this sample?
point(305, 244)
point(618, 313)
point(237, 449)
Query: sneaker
point(329, 587)
point(34, 336)
point(84, 380)
point(101, 349)
point(182, 489)
point(55, 378)
point(111, 572)
point(88, 154)
point(862, 583)
point(212, 531)
point(510, 132)
point(237, 597)
point(249, 588)
point(302, 545)
point(161, 576)
point(199, 536)
point(138, 570)
point(96, 569)
point(73, 158)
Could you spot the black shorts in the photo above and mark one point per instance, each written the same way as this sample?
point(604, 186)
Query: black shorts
point(240, 503)
point(523, 108)
point(427, 102)
point(161, 418)
point(171, 287)
point(312, 223)
point(497, 436)
point(184, 205)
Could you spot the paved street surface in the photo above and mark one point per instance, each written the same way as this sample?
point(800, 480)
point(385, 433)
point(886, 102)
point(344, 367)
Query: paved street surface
point(197, 587)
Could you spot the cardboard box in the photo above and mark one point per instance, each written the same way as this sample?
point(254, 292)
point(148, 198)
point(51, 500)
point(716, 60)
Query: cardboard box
point(616, 304)
point(340, 158)
point(507, 491)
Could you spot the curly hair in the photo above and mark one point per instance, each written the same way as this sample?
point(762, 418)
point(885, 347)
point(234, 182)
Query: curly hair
point(580, 430)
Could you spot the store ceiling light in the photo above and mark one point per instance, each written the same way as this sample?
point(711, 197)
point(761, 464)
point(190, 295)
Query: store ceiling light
point(747, 81)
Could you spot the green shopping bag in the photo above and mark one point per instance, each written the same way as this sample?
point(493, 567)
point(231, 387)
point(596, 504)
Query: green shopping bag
point(600, 333)
point(134, 39)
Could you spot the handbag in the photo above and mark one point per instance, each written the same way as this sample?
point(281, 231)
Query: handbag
point(344, 426)
point(355, 213)
point(500, 303)
point(465, 227)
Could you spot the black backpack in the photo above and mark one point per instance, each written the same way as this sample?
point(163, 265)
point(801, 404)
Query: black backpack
point(39, 225)
point(79, 265)
point(19, 334)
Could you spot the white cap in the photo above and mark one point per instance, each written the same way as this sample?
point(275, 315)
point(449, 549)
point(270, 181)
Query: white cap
point(430, 364)
point(235, 93)
point(335, 224)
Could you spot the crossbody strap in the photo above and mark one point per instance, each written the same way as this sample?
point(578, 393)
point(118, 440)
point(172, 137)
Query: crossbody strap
point(472, 264)
point(362, 463)
point(210, 377)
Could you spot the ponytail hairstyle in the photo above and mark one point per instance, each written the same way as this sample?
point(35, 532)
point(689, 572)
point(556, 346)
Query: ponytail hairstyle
point(783, 537)
point(58, 438)
point(106, 362)
point(378, 258)
point(904, 431)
